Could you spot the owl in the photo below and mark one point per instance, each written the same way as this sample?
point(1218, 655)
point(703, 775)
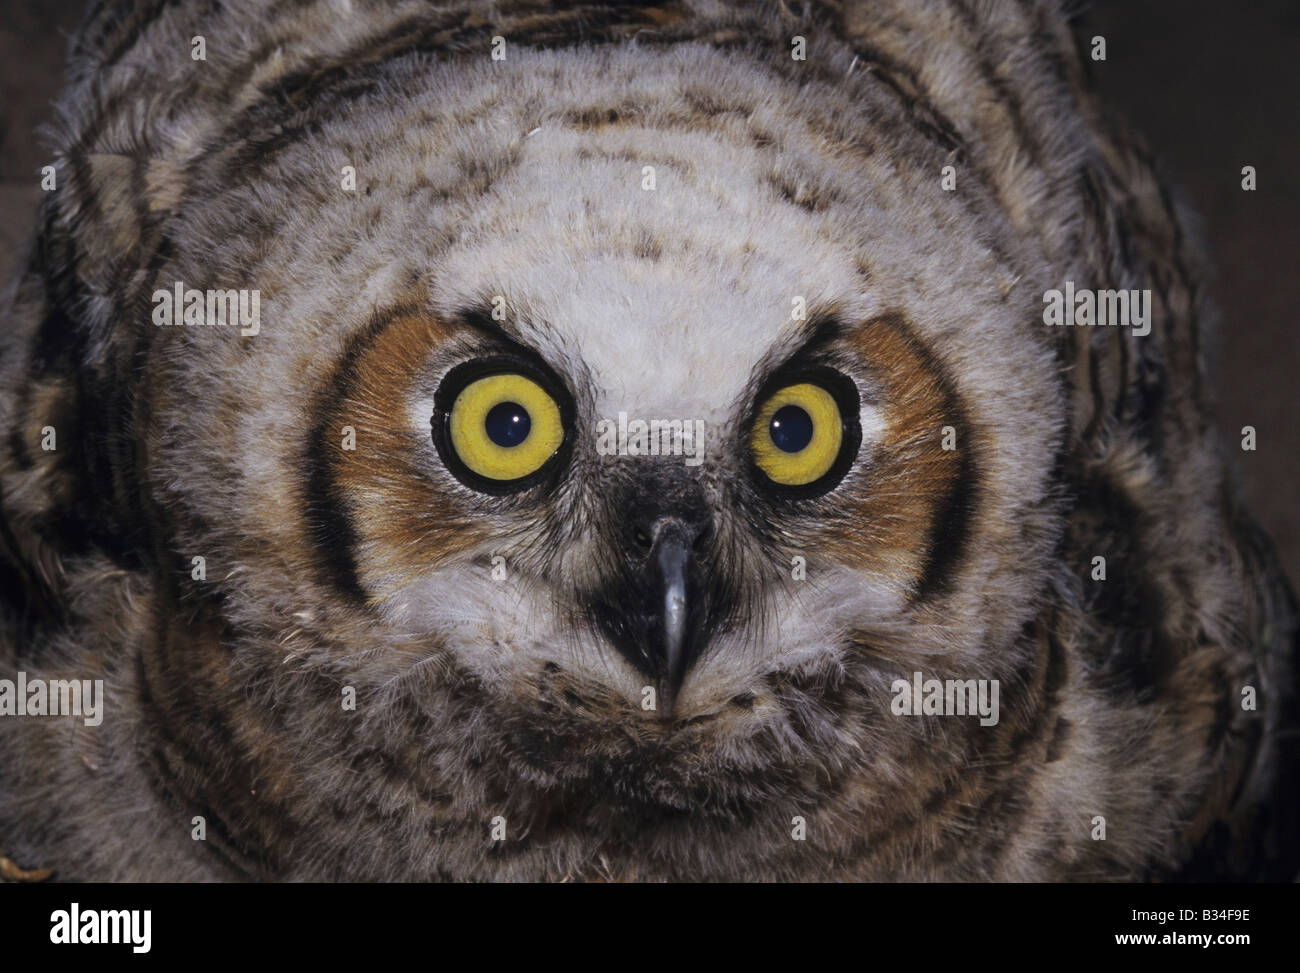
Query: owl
point(659, 441)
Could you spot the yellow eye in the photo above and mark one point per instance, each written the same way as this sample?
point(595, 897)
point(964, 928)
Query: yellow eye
point(504, 427)
point(797, 435)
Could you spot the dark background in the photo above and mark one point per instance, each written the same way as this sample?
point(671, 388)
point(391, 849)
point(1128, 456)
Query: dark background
point(1212, 87)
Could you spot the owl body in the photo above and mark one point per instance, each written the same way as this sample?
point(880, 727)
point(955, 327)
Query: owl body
point(336, 643)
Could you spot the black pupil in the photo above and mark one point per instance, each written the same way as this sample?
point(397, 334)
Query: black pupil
point(507, 424)
point(792, 429)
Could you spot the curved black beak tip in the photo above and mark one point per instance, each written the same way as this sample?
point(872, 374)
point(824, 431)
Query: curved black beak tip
point(671, 553)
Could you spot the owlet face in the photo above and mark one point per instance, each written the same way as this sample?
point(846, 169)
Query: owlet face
point(812, 482)
point(843, 431)
point(625, 401)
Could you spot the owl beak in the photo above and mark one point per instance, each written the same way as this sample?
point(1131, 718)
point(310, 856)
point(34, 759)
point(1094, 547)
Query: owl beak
point(671, 554)
point(660, 608)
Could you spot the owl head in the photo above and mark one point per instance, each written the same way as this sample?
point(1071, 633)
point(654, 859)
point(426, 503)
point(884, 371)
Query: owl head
point(615, 426)
point(656, 419)
point(622, 400)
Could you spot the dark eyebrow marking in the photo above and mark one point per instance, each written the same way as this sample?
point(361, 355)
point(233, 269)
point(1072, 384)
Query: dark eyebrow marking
point(504, 343)
point(822, 328)
point(481, 320)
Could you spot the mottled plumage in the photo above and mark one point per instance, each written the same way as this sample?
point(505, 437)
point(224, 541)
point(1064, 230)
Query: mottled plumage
point(480, 697)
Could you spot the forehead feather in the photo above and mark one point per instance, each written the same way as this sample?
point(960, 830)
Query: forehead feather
point(667, 315)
